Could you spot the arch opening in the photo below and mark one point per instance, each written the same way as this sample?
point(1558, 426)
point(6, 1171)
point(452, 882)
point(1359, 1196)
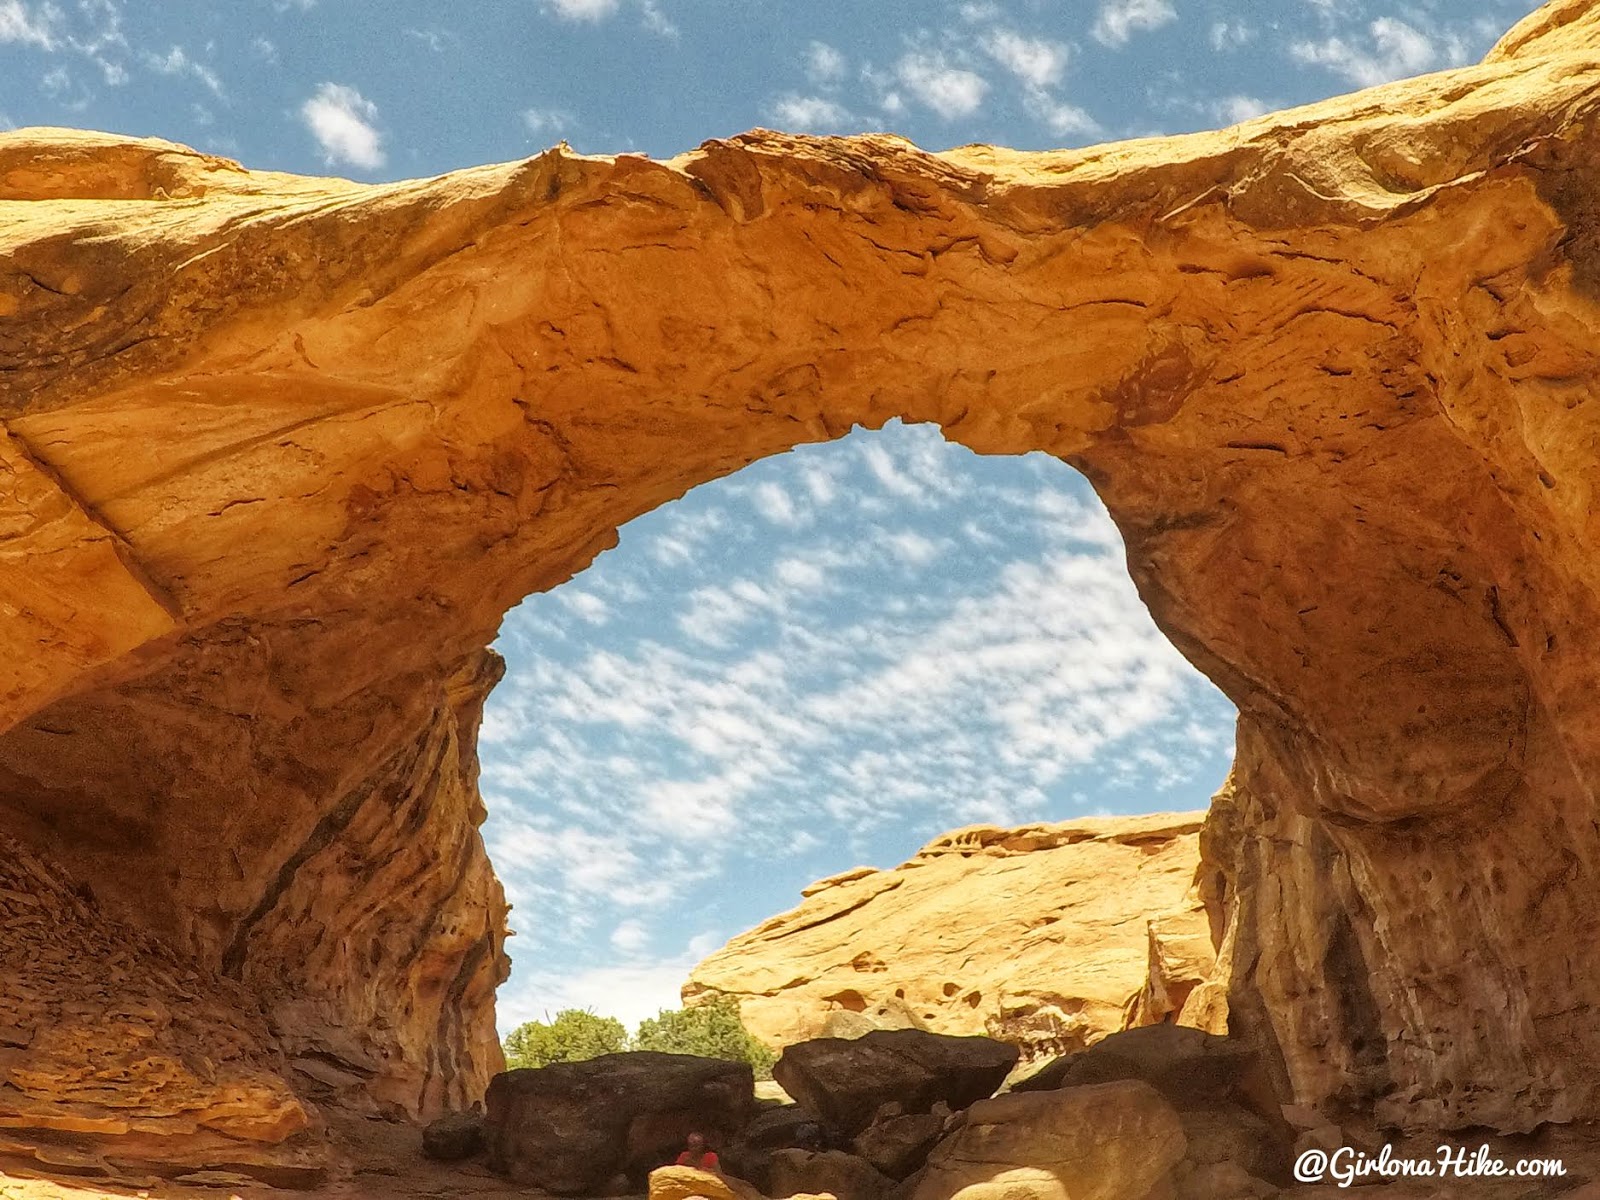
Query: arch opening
point(830, 659)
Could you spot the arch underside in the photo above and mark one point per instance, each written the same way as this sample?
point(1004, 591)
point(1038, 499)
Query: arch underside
point(278, 453)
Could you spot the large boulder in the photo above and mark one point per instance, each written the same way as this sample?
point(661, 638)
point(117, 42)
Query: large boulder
point(570, 1127)
point(1113, 1141)
point(786, 1127)
point(1218, 1086)
point(831, 1172)
point(846, 1081)
point(897, 1146)
point(453, 1137)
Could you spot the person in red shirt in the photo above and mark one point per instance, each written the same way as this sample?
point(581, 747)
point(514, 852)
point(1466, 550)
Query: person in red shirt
point(700, 1156)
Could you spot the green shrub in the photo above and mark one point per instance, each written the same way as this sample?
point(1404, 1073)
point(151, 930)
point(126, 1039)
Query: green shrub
point(711, 1030)
point(574, 1035)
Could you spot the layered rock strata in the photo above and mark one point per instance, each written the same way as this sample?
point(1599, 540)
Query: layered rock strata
point(277, 453)
point(1047, 936)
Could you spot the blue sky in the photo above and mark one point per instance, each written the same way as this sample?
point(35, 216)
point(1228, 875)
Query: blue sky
point(836, 654)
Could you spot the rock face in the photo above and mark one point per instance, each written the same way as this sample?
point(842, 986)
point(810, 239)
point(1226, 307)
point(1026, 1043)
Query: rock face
point(1026, 935)
point(1115, 1141)
point(121, 1060)
point(845, 1081)
point(1231, 1118)
point(277, 453)
point(569, 1128)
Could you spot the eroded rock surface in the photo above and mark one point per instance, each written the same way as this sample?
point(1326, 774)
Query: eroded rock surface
point(1112, 1141)
point(120, 1059)
point(1048, 937)
point(276, 454)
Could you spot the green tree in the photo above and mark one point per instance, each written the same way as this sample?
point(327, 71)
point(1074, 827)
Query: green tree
point(711, 1030)
point(574, 1035)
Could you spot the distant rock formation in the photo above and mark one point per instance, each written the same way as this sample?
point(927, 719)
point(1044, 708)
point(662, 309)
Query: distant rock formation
point(1048, 937)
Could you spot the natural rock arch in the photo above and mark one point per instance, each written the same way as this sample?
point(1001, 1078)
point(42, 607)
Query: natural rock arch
point(279, 452)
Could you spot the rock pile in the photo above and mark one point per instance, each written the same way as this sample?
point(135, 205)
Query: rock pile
point(911, 1115)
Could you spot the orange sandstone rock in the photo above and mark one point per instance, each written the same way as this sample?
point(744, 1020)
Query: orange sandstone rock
point(1048, 936)
point(277, 453)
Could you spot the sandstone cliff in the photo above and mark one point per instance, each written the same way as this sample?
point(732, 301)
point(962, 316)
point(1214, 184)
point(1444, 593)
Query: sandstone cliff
point(1048, 937)
point(277, 453)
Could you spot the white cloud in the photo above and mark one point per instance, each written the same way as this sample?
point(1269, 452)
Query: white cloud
point(630, 937)
point(825, 66)
point(436, 40)
point(1230, 110)
point(806, 113)
point(1230, 35)
point(28, 25)
point(547, 120)
point(1119, 20)
point(1036, 62)
point(1067, 120)
point(1393, 50)
point(949, 90)
point(585, 605)
point(912, 548)
point(581, 10)
point(656, 21)
point(263, 49)
point(341, 120)
point(177, 62)
point(774, 504)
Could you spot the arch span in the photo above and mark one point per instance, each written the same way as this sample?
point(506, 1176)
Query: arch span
point(279, 452)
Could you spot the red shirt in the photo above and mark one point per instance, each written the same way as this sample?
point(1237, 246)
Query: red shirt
point(708, 1160)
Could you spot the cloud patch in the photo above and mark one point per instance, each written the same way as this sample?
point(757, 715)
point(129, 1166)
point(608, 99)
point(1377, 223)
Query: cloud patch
point(1391, 50)
point(950, 90)
point(342, 121)
point(25, 25)
point(1119, 20)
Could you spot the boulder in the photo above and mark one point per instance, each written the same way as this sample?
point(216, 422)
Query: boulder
point(1217, 1085)
point(798, 1172)
point(682, 1183)
point(453, 1137)
point(569, 1127)
point(897, 1146)
point(749, 1155)
point(1113, 1141)
point(845, 1081)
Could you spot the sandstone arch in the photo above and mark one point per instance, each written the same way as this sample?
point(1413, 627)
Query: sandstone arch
point(278, 453)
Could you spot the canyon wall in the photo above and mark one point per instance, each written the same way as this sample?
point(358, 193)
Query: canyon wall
point(277, 453)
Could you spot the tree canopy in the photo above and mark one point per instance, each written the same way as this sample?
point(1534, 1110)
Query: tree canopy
point(711, 1030)
point(575, 1034)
